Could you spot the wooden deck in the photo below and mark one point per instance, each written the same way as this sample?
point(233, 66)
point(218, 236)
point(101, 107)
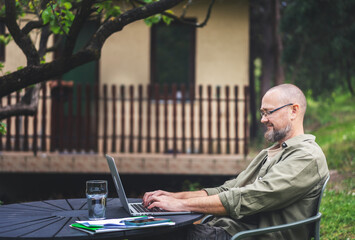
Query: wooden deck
point(20, 162)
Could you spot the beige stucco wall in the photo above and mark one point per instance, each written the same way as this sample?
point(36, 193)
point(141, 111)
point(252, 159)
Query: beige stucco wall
point(221, 47)
point(125, 56)
point(222, 52)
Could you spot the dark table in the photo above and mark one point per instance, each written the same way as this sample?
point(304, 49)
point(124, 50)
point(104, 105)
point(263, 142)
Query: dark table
point(51, 219)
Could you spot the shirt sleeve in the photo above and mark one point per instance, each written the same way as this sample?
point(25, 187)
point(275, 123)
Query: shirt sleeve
point(237, 181)
point(225, 187)
point(285, 182)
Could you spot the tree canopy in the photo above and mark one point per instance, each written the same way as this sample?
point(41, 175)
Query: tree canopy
point(319, 46)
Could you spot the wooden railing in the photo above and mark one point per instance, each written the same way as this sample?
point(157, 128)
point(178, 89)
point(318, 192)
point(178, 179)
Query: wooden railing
point(133, 119)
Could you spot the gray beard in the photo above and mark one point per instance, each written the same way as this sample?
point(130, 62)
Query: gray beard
point(277, 135)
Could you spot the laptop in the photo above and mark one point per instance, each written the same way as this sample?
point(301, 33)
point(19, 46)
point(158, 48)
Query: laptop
point(134, 209)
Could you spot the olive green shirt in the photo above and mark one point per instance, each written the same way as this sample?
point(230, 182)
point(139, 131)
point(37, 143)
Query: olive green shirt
point(282, 189)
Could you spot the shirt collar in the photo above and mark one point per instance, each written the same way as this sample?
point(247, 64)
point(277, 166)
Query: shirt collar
point(294, 140)
point(297, 139)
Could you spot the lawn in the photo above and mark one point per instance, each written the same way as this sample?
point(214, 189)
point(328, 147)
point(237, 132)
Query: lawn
point(333, 123)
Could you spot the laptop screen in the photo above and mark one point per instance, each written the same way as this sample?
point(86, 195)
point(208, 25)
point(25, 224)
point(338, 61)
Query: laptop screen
point(117, 181)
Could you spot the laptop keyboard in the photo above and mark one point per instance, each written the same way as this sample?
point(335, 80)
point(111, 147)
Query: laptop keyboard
point(140, 208)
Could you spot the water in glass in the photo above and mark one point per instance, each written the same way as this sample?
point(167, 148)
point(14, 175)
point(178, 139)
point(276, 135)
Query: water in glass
point(96, 194)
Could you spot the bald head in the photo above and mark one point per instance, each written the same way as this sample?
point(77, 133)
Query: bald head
point(283, 108)
point(289, 93)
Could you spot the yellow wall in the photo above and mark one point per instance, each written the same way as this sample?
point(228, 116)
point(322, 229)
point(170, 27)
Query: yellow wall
point(125, 56)
point(222, 52)
point(222, 48)
point(223, 45)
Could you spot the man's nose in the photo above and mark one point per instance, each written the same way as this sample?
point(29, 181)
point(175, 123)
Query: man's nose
point(264, 119)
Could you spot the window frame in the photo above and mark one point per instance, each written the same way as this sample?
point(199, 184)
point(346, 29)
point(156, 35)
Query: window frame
point(191, 64)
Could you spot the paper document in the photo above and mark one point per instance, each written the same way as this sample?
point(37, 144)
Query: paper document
point(120, 224)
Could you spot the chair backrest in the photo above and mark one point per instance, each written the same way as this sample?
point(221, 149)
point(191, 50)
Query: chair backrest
point(316, 226)
point(321, 193)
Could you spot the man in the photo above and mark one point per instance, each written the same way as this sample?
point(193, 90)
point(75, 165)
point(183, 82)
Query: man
point(281, 185)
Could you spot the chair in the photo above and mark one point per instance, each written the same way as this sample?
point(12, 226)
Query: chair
point(315, 219)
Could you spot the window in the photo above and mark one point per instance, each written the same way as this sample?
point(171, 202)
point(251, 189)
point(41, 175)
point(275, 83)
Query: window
point(173, 55)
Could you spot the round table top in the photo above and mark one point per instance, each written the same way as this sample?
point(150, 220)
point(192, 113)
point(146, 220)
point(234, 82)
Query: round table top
point(51, 219)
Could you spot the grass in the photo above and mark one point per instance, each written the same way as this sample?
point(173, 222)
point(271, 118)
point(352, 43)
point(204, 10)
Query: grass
point(332, 121)
point(338, 215)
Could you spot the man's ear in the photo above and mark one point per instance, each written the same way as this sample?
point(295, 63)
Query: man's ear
point(295, 110)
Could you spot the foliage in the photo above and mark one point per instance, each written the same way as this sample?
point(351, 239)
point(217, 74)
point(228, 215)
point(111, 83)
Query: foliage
point(2, 128)
point(59, 16)
point(332, 122)
point(319, 44)
point(191, 186)
point(338, 215)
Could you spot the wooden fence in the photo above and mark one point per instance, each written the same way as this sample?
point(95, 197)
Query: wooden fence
point(132, 119)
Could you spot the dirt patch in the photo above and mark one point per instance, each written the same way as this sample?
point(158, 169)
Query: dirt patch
point(338, 181)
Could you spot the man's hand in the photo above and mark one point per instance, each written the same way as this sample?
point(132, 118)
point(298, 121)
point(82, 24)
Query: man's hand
point(167, 203)
point(197, 201)
point(148, 196)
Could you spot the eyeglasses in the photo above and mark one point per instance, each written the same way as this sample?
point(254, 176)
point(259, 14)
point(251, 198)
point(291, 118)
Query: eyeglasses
point(267, 113)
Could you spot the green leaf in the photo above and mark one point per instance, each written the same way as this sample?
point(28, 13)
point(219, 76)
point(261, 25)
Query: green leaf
point(46, 15)
point(116, 10)
point(153, 19)
point(67, 5)
point(148, 22)
point(70, 16)
point(55, 29)
point(2, 128)
point(167, 19)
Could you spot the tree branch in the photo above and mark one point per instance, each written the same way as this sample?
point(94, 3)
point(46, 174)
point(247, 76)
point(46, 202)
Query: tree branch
point(182, 19)
point(117, 24)
point(32, 25)
point(80, 18)
point(56, 44)
point(27, 106)
point(21, 39)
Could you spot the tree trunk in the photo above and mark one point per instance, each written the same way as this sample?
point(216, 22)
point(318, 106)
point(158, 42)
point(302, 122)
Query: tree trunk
point(348, 77)
point(252, 55)
point(268, 58)
point(279, 73)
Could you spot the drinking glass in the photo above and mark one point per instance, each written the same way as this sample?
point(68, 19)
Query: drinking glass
point(96, 194)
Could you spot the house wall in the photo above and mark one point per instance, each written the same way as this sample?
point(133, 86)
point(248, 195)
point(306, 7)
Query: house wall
point(222, 47)
point(222, 53)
